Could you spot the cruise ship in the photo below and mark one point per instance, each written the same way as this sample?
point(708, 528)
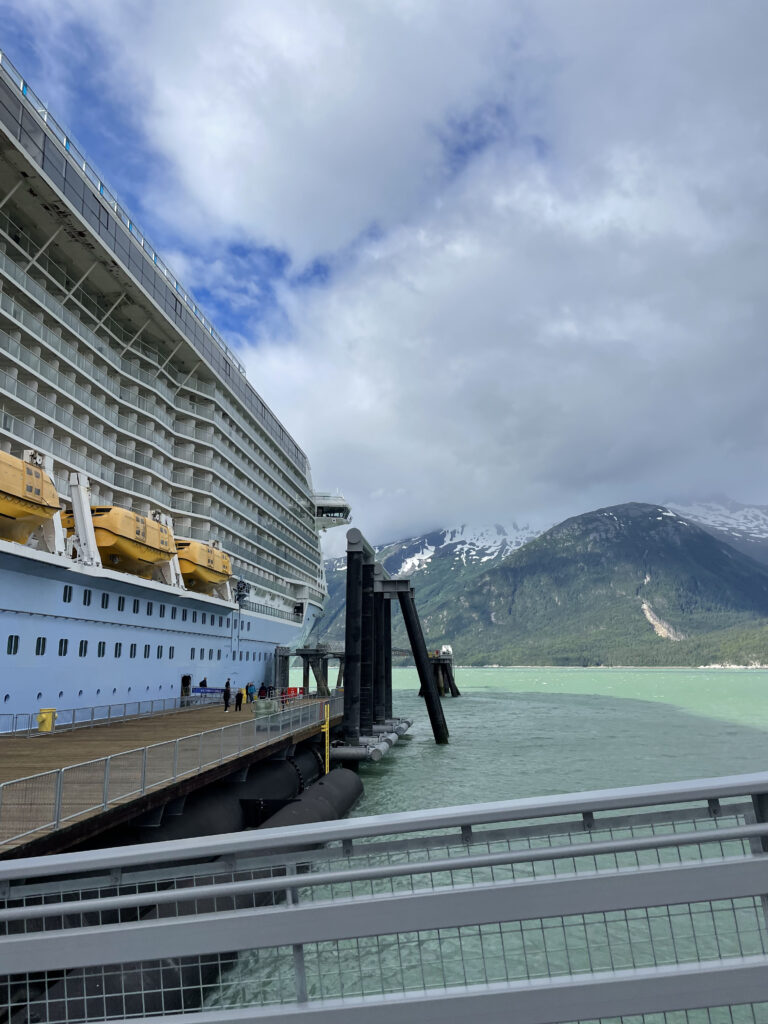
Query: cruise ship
point(158, 524)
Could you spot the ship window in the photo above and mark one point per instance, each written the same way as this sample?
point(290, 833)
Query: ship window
point(210, 654)
point(227, 622)
point(241, 655)
point(135, 606)
point(105, 600)
point(218, 655)
point(118, 649)
point(114, 690)
point(82, 649)
point(40, 645)
point(159, 650)
point(183, 614)
point(202, 654)
point(171, 653)
point(6, 698)
point(40, 694)
point(149, 607)
point(79, 693)
point(101, 650)
point(61, 694)
point(173, 612)
point(249, 627)
point(247, 655)
point(121, 604)
point(132, 651)
point(192, 654)
point(177, 307)
point(194, 616)
point(202, 618)
point(162, 611)
point(63, 645)
point(13, 643)
point(86, 596)
point(67, 594)
point(146, 650)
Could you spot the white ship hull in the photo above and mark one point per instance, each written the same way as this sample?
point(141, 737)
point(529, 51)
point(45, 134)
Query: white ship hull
point(71, 637)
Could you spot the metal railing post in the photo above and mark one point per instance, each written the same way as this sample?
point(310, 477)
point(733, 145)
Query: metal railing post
point(106, 782)
point(175, 759)
point(144, 770)
point(57, 798)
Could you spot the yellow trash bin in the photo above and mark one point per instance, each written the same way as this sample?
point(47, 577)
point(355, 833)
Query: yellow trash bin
point(46, 719)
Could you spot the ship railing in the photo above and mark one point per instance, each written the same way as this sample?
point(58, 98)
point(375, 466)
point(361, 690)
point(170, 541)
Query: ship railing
point(53, 799)
point(644, 904)
point(26, 723)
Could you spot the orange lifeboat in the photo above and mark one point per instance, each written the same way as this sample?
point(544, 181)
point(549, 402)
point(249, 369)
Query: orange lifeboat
point(127, 541)
point(28, 498)
point(203, 566)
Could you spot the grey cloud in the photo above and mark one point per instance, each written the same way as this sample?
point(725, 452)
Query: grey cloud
point(576, 318)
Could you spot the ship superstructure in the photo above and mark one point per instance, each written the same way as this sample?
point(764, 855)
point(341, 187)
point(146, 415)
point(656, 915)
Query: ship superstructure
point(114, 382)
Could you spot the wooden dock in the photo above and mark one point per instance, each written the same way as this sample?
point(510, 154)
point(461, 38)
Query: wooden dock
point(151, 760)
point(42, 752)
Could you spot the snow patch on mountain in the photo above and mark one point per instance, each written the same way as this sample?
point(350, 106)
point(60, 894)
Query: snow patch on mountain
point(470, 545)
point(726, 516)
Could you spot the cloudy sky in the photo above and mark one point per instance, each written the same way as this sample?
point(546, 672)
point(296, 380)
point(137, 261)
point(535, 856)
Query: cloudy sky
point(488, 261)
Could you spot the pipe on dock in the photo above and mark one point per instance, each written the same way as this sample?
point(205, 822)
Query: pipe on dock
point(367, 752)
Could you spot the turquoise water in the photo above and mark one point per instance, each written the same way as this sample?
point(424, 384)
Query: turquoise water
point(519, 732)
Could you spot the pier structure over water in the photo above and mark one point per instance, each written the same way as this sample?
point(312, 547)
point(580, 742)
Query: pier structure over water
point(613, 904)
point(60, 790)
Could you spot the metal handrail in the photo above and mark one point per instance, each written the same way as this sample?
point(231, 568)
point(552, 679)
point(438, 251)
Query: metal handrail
point(25, 723)
point(46, 801)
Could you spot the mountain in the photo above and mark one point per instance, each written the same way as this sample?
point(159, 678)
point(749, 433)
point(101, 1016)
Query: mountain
point(744, 527)
point(441, 560)
point(632, 584)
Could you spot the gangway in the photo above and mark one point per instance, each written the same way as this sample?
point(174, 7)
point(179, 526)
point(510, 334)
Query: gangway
point(609, 904)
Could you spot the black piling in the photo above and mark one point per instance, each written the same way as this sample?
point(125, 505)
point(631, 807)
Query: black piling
point(423, 666)
point(387, 651)
point(379, 660)
point(366, 648)
point(353, 637)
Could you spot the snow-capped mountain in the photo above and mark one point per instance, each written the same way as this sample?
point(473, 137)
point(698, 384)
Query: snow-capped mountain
point(469, 545)
point(744, 527)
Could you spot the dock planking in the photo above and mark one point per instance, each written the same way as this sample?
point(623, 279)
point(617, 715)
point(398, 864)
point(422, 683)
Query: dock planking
point(21, 756)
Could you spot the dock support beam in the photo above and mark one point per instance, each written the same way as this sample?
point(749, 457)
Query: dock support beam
point(353, 637)
point(387, 644)
point(379, 660)
point(423, 666)
point(366, 648)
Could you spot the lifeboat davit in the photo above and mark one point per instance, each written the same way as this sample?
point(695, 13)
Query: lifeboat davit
point(203, 566)
point(127, 541)
point(28, 498)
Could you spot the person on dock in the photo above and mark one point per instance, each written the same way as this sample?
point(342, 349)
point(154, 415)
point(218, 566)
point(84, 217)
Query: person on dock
point(250, 691)
point(239, 699)
point(262, 692)
point(227, 696)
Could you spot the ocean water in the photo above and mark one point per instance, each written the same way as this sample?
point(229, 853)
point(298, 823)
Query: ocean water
point(518, 732)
